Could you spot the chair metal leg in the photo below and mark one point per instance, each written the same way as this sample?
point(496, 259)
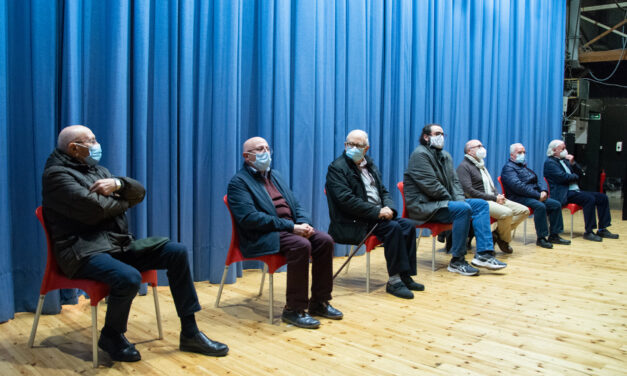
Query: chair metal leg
point(263, 278)
point(94, 334)
point(271, 298)
point(33, 331)
point(433, 253)
point(226, 269)
point(418, 238)
point(572, 222)
point(525, 232)
point(368, 272)
point(349, 261)
point(157, 311)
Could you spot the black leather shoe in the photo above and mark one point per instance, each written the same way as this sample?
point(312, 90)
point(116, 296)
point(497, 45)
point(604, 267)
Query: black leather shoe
point(542, 242)
point(399, 290)
point(503, 245)
point(410, 284)
point(201, 344)
point(119, 348)
point(592, 236)
point(325, 310)
point(605, 233)
point(556, 239)
point(299, 319)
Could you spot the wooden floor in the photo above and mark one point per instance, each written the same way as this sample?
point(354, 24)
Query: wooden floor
point(551, 312)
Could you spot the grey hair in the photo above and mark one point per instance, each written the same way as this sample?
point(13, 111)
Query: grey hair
point(359, 133)
point(552, 145)
point(512, 147)
point(69, 134)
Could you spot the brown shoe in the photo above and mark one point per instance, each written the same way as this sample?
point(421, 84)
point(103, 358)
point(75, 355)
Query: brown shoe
point(503, 245)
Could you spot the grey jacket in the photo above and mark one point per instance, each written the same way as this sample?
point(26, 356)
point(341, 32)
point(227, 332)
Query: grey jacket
point(430, 182)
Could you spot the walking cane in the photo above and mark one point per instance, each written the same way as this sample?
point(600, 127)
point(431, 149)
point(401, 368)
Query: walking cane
point(355, 250)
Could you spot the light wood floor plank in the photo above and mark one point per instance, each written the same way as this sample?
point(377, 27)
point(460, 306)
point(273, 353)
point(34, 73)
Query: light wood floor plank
point(551, 312)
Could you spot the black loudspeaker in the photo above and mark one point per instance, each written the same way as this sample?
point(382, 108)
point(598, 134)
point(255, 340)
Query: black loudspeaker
point(592, 155)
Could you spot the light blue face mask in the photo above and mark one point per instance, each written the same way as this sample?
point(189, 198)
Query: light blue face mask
point(355, 153)
point(95, 153)
point(520, 158)
point(262, 161)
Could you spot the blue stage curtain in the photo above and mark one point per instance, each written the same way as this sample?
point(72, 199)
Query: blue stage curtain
point(173, 88)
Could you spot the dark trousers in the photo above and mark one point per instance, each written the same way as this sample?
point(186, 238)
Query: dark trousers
point(399, 244)
point(297, 250)
point(588, 201)
point(550, 207)
point(121, 271)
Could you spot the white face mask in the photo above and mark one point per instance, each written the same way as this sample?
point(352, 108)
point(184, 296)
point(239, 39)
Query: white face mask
point(481, 153)
point(563, 154)
point(437, 141)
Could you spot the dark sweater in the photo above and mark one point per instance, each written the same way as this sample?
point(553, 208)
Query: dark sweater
point(472, 182)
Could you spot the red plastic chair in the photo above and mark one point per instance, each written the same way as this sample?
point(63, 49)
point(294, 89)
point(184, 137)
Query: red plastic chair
point(530, 213)
point(435, 227)
point(371, 243)
point(271, 264)
point(53, 280)
point(573, 208)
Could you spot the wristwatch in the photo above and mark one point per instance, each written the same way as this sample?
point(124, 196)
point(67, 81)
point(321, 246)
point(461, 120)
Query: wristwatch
point(118, 184)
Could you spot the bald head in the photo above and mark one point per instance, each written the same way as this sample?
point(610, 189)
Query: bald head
point(472, 144)
point(252, 147)
point(72, 133)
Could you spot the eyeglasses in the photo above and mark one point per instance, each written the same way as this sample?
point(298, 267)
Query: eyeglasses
point(91, 141)
point(438, 134)
point(354, 145)
point(476, 146)
point(260, 149)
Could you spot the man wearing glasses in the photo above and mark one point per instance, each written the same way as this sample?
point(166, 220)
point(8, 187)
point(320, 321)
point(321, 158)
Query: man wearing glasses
point(433, 194)
point(84, 209)
point(477, 183)
point(270, 220)
point(358, 200)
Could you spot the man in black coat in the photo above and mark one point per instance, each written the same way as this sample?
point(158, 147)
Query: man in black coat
point(357, 200)
point(84, 209)
point(562, 173)
point(269, 220)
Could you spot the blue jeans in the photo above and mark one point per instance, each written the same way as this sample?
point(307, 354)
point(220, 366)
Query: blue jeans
point(121, 271)
point(460, 213)
point(550, 207)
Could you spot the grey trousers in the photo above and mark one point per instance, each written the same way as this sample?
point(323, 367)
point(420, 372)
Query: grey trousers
point(508, 216)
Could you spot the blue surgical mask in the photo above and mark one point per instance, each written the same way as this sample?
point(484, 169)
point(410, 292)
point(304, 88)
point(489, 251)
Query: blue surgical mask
point(355, 153)
point(520, 158)
point(95, 153)
point(262, 161)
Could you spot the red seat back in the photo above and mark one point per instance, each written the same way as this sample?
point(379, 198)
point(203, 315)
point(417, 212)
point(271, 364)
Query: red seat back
point(274, 261)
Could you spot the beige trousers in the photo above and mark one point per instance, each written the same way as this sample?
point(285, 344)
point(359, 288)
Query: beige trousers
point(508, 216)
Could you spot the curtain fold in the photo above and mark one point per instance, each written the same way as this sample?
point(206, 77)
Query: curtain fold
point(173, 88)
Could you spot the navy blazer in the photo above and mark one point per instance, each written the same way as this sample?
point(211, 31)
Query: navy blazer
point(519, 181)
point(559, 179)
point(256, 218)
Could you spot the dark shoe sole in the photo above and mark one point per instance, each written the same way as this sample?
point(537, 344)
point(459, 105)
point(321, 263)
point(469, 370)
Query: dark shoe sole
point(216, 353)
point(287, 321)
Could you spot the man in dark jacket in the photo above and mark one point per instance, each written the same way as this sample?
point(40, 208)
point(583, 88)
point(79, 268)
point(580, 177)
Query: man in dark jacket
point(477, 183)
point(433, 194)
point(521, 185)
point(270, 220)
point(84, 209)
point(358, 200)
point(562, 173)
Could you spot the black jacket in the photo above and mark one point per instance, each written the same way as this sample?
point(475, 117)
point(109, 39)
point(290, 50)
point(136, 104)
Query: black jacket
point(472, 182)
point(350, 212)
point(80, 222)
point(430, 182)
point(256, 218)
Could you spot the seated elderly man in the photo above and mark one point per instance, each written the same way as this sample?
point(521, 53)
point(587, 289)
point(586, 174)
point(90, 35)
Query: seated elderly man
point(84, 208)
point(562, 173)
point(521, 185)
point(477, 183)
point(358, 200)
point(270, 220)
point(433, 194)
